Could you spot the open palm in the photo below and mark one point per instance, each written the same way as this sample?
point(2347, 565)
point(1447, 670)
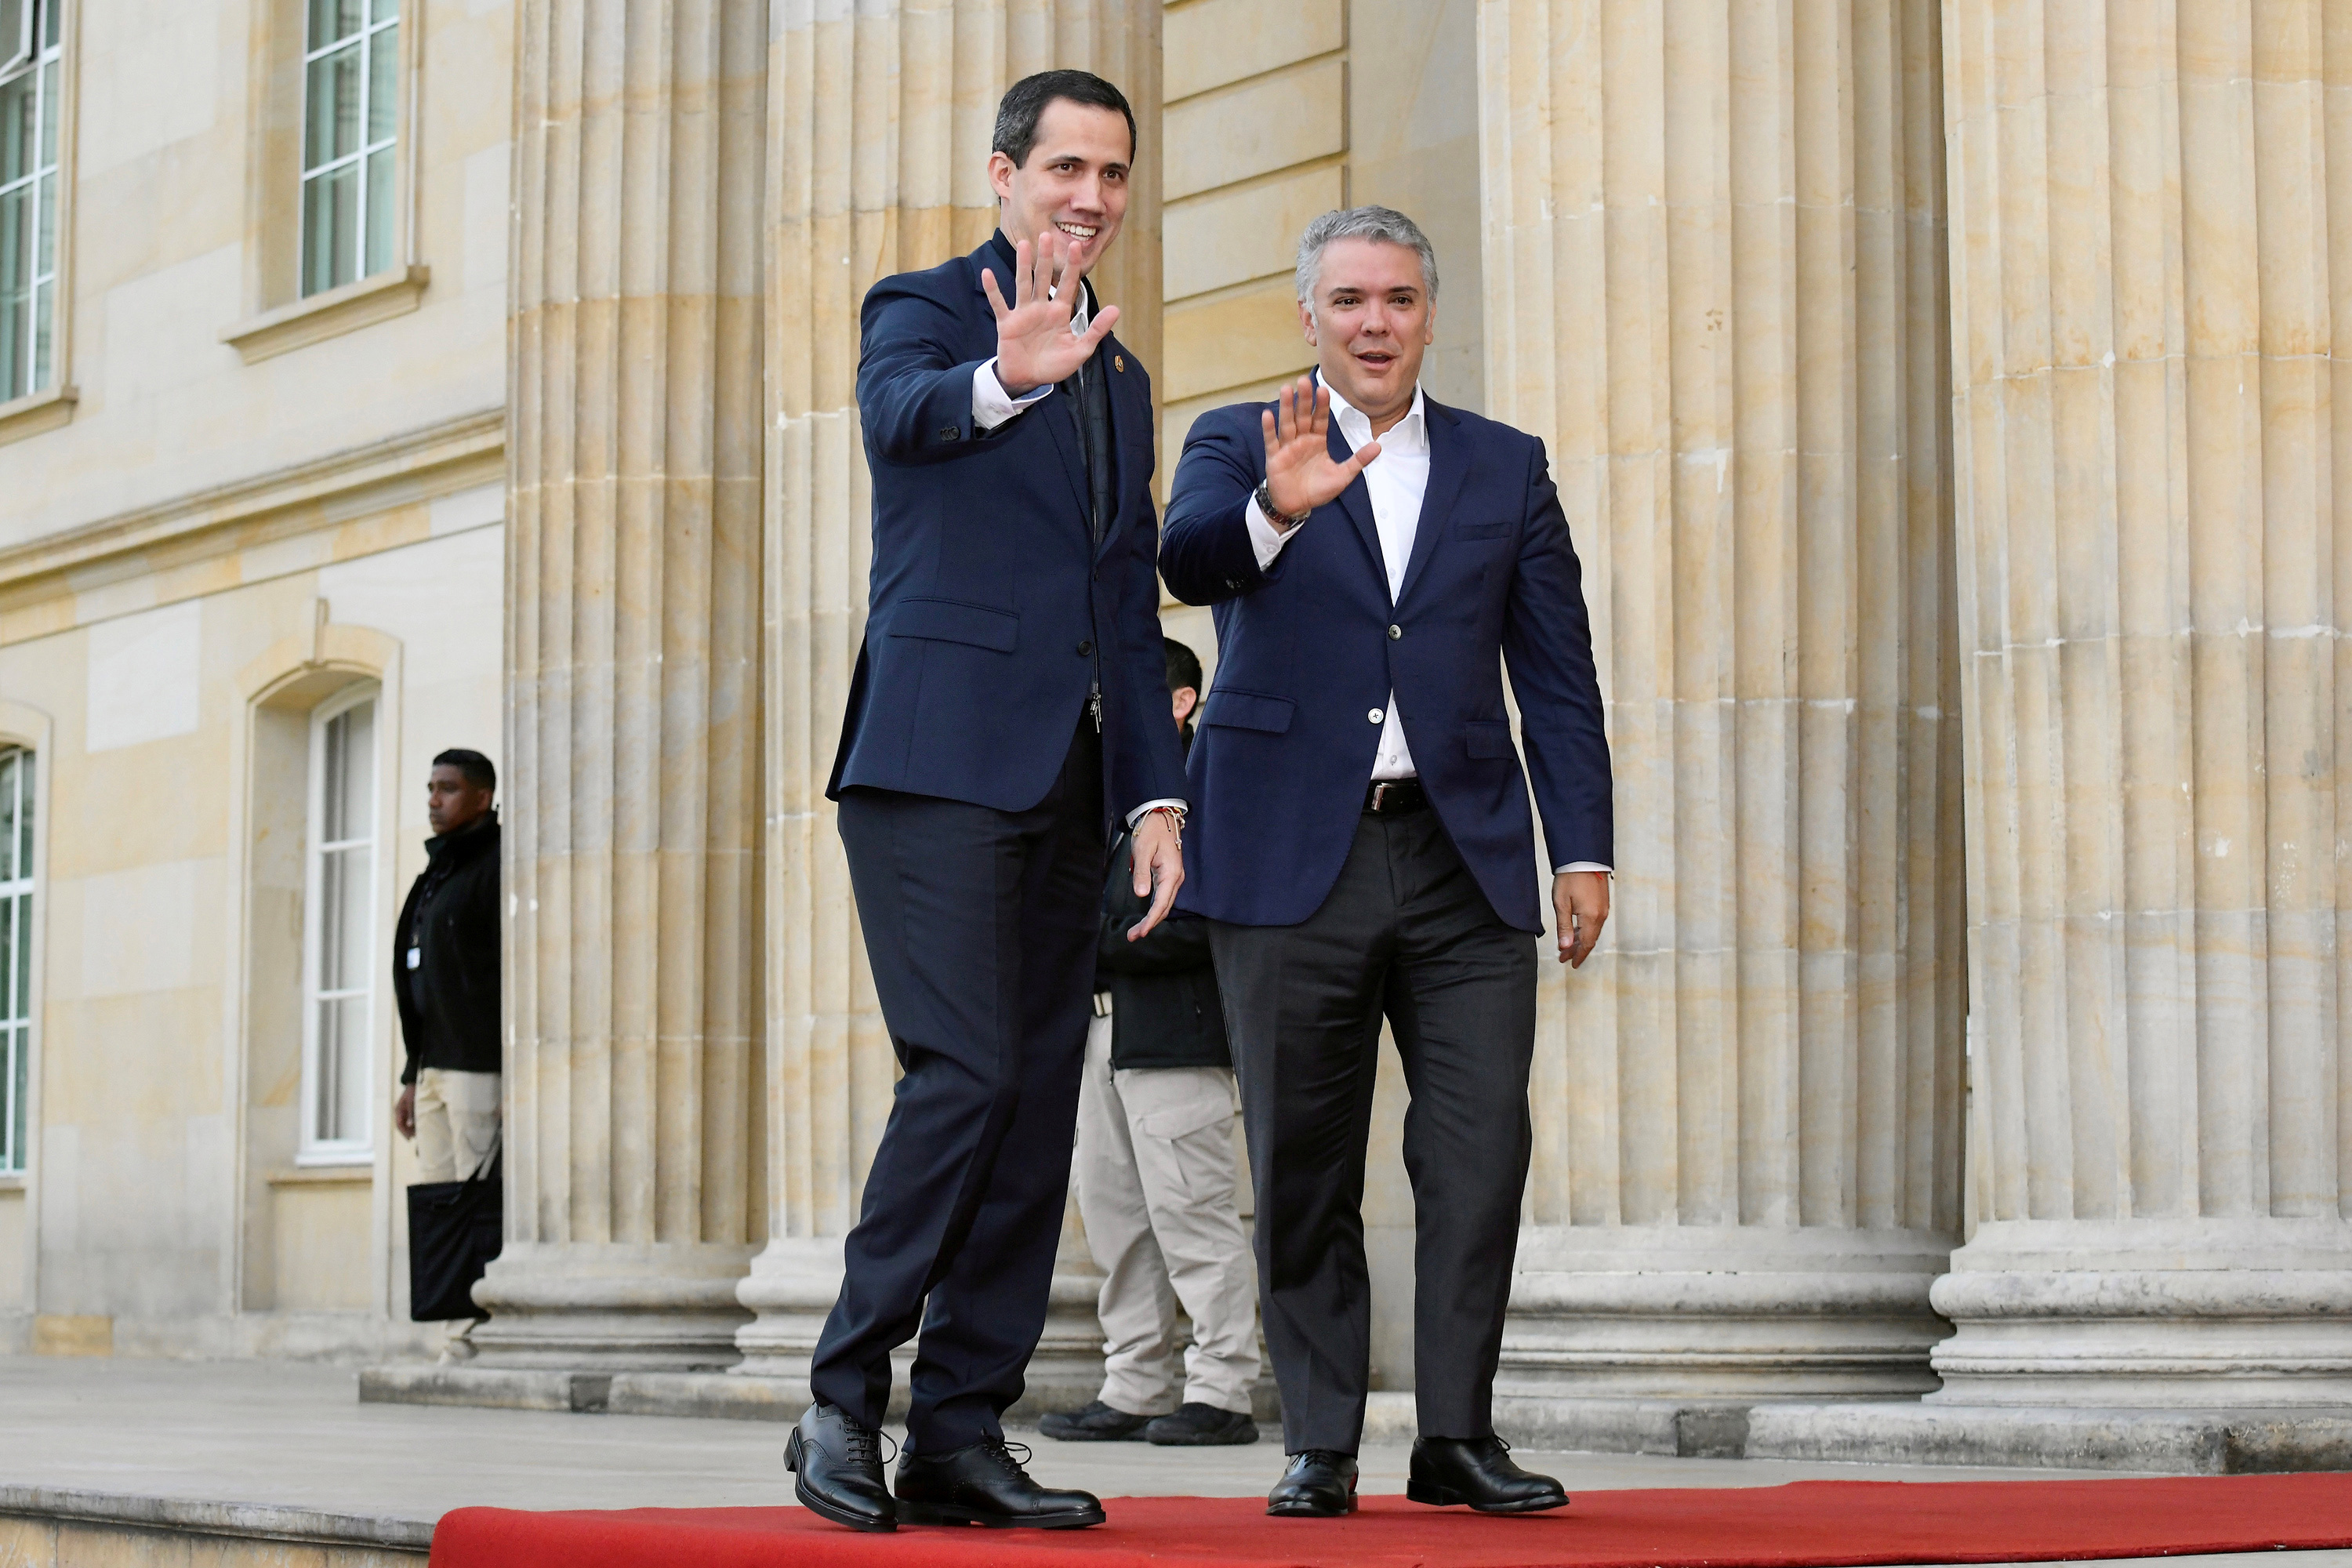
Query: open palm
point(1299, 473)
point(1034, 345)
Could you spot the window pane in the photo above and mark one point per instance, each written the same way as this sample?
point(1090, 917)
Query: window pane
point(333, 19)
point(345, 942)
point(331, 221)
point(386, 10)
point(8, 952)
point(350, 773)
point(51, 28)
point(43, 307)
point(340, 1097)
point(16, 35)
point(24, 813)
point(8, 766)
point(21, 993)
point(18, 111)
point(331, 124)
point(384, 84)
point(381, 182)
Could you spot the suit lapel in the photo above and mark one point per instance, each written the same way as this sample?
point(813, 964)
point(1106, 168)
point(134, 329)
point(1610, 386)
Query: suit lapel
point(996, 257)
point(1449, 466)
point(1357, 502)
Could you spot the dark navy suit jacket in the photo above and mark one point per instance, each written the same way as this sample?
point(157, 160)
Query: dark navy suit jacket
point(990, 612)
point(1305, 654)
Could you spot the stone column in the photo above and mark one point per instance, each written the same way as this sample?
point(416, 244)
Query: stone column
point(2151, 555)
point(1715, 287)
point(634, 1192)
point(878, 135)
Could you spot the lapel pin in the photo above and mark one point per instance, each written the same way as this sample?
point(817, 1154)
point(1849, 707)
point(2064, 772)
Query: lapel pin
point(1118, 361)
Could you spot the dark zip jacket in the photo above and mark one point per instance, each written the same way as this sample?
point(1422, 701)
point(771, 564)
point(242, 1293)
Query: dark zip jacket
point(449, 1001)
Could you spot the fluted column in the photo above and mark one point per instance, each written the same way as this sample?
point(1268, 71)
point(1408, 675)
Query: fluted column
point(878, 134)
point(2151, 566)
point(635, 1189)
point(1715, 287)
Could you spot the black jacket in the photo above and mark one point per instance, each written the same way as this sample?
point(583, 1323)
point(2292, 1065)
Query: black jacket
point(1164, 1007)
point(449, 1001)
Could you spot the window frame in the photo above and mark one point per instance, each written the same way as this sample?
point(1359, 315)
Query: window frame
point(312, 1150)
point(57, 18)
point(366, 39)
point(19, 953)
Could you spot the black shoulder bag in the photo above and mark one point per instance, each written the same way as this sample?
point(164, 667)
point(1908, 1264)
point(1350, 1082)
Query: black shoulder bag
point(455, 1228)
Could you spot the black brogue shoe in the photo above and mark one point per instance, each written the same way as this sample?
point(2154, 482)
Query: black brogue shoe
point(1319, 1484)
point(1478, 1472)
point(836, 1465)
point(983, 1483)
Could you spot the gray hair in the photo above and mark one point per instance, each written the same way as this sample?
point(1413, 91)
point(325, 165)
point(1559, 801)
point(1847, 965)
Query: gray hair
point(1363, 223)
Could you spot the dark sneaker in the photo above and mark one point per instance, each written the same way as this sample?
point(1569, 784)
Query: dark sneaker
point(1199, 1426)
point(1097, 1422)
point(983, 1483)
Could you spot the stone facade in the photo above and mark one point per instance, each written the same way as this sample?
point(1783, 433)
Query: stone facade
point(1938, 391)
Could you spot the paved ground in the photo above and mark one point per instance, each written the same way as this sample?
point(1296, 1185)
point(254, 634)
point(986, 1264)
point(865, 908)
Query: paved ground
point(297, 1435)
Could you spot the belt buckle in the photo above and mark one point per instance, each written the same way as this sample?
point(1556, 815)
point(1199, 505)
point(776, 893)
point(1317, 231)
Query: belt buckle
point(1381, 795)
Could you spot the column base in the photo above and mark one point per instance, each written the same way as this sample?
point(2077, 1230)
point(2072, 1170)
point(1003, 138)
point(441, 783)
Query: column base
point(1725, 1317)
point(791, 1289)
point(2172, 1442)
point(600, 1310)
point(2181, 1315)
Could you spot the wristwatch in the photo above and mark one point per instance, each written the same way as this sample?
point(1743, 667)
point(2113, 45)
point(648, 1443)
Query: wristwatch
point(1283, 520)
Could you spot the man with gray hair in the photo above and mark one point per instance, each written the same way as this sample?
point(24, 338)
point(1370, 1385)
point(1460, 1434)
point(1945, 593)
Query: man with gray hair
point(1361, 841)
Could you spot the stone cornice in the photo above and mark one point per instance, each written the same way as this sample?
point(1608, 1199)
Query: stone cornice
point(321, 492)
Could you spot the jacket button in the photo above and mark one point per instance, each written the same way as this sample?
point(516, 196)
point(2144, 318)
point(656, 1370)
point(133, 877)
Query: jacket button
point(1085, 648)
point(1376, 716)
point(1395, 632)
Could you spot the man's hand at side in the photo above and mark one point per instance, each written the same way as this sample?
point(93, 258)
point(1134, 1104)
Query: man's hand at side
point(1034, 345)
point(1579, 903)
point(1159, 863)
point(404, 1112)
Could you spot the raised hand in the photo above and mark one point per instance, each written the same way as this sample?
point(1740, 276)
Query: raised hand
point(1299, 472)
point(1034, 345)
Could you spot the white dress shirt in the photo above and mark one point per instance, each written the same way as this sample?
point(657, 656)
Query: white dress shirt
point(992, 405)
point(1397, 480)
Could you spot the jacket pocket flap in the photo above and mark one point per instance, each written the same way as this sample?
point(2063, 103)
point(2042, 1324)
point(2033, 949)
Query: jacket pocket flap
point(1248, 711)
point(1489, 737)
point(953, 620)
point(1481, 529)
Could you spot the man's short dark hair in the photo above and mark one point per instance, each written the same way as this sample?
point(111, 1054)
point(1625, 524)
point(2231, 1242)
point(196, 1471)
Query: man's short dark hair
point(473, 764)
point(1184, 665)
point(1023, 103)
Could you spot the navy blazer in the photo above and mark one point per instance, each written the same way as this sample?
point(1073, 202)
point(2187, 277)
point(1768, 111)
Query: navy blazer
point(991, 614)
point(1309, 648)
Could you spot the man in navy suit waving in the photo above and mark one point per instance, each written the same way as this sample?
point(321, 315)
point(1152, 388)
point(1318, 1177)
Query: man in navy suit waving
point(1010, 698)
point(1363, 844)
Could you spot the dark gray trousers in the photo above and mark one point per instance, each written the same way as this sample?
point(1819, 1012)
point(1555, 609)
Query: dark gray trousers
point(1405, 932)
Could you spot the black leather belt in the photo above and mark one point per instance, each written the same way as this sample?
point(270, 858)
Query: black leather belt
point(1387, 798)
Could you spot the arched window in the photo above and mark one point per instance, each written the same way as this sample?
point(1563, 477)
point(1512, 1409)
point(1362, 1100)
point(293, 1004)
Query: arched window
point(340, 959)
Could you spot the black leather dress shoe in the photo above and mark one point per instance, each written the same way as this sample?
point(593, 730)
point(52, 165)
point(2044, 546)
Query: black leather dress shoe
point(836, 1465)
point(1478, 1472)
point(982, 1483)
point(1097, 1422)
point(1319, 1484)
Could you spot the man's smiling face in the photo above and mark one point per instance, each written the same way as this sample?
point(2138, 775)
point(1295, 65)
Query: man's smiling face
point(1370, 321)
point(1076, 180)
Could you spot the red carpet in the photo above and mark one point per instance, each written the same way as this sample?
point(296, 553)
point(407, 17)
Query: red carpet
point(1810, 1522)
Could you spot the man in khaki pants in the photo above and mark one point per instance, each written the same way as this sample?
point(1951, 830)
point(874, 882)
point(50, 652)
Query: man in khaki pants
point(1154, 1174)
point(444, 977)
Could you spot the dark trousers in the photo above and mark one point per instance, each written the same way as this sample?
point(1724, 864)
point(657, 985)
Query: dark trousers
point(980, 925)
point(1405, 933)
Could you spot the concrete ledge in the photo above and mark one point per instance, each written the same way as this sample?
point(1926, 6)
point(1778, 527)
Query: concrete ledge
point(240, 1521)
point(1688, 1430)
point(2212, 1441)
point(498, 1390)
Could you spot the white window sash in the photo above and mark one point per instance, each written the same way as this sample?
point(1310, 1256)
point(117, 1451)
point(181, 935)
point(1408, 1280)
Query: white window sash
point(365, 40)
point(29, 55)
point(17, 903)
point(359, 850)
